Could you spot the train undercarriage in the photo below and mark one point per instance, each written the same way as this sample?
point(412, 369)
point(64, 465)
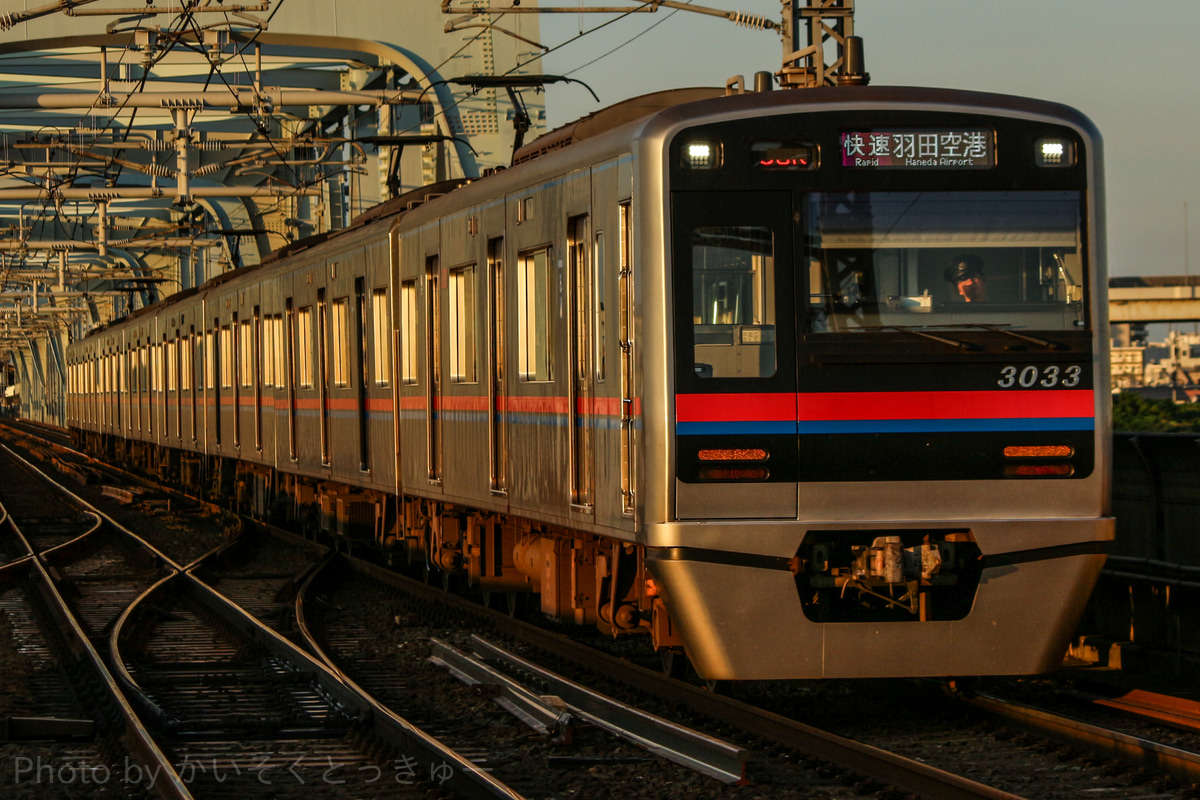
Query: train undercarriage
point(572, 577)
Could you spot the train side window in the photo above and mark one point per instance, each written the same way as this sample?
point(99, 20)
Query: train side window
point(340, 355)
point(733, 301)
point(534, 317)
point(381, 341)
point(304, 348)
point(408, 332)
point(462, 325)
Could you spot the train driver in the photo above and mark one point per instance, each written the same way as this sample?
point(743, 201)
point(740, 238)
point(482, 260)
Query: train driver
point(965, 273)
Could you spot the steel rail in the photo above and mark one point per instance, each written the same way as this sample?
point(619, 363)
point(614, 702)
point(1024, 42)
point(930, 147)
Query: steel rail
point(532, 709)
point(468, 779)
point(696, 751)
point(1174, 711)
point(167, 781)
point(1151, 756)
point(140, 696)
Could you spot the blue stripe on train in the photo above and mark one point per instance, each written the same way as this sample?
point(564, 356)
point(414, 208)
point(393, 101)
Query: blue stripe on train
point(886, 426)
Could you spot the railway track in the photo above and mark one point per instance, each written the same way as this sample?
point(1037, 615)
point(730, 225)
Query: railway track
point(1158, 733)
point(67, 730)
point(239, 709)
point(398, 617)
point(244, 714)
point(367, 629)
point(980, 755)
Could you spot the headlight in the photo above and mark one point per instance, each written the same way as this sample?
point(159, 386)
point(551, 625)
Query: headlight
point(1054, 153)
point(701, 155)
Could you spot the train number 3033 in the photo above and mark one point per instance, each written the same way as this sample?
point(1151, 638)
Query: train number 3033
point(1049, 377)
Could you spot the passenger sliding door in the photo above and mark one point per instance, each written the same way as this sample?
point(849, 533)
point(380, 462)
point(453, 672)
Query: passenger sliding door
point(735, 355)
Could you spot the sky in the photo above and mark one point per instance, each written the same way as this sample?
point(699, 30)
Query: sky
point(1129, 65)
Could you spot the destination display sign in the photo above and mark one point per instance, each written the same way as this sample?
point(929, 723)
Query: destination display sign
point(919, 149)
point(785, 156)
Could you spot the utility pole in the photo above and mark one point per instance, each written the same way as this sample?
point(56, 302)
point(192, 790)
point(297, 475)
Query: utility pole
point(819, 45)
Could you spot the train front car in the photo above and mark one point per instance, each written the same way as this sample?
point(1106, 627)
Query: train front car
point(879, 443)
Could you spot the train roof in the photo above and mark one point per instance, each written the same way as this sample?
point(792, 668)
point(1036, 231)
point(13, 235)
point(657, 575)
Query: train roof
point(614, 116)
point(880, 95)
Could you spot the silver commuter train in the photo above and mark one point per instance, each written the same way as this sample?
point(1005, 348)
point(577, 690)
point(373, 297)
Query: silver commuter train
point(803, 384)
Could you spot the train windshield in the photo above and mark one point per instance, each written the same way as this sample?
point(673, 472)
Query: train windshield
point(884, 260)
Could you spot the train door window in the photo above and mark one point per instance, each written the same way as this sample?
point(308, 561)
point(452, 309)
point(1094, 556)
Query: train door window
point(143, 384)
point(152, 378)
point(103, 368)
point(209, 359)
point(93, 390)
point(625, 332)
point(177, 348)
point(291, 371)
point(339, 353)
point(122, 387)
point(323, 372)
point(185, 363)
point(167, 369)
point(268, 355)
point(241, 334)
point(191, 350)
point(172, 368)
point(408, 332)
point(534, 299)
point(581, 283)
point(360, 373)
point(382, 341)
point(218, 352)
point(599, 309)
point(497, 408)
point(433, 361)
point(462, 325)
point(256, 350)
point(226, 358)
point(277, 350)
point(304, 348)
point(246, 354)
point(733, 301)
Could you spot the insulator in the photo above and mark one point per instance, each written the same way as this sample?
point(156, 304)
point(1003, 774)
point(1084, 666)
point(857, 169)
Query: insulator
point(206, 169)
point(6, 22)
point(756, 21)
point(181, 103)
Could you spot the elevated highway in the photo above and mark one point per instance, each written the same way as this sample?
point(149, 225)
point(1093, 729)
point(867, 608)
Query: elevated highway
point(1171, 298)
